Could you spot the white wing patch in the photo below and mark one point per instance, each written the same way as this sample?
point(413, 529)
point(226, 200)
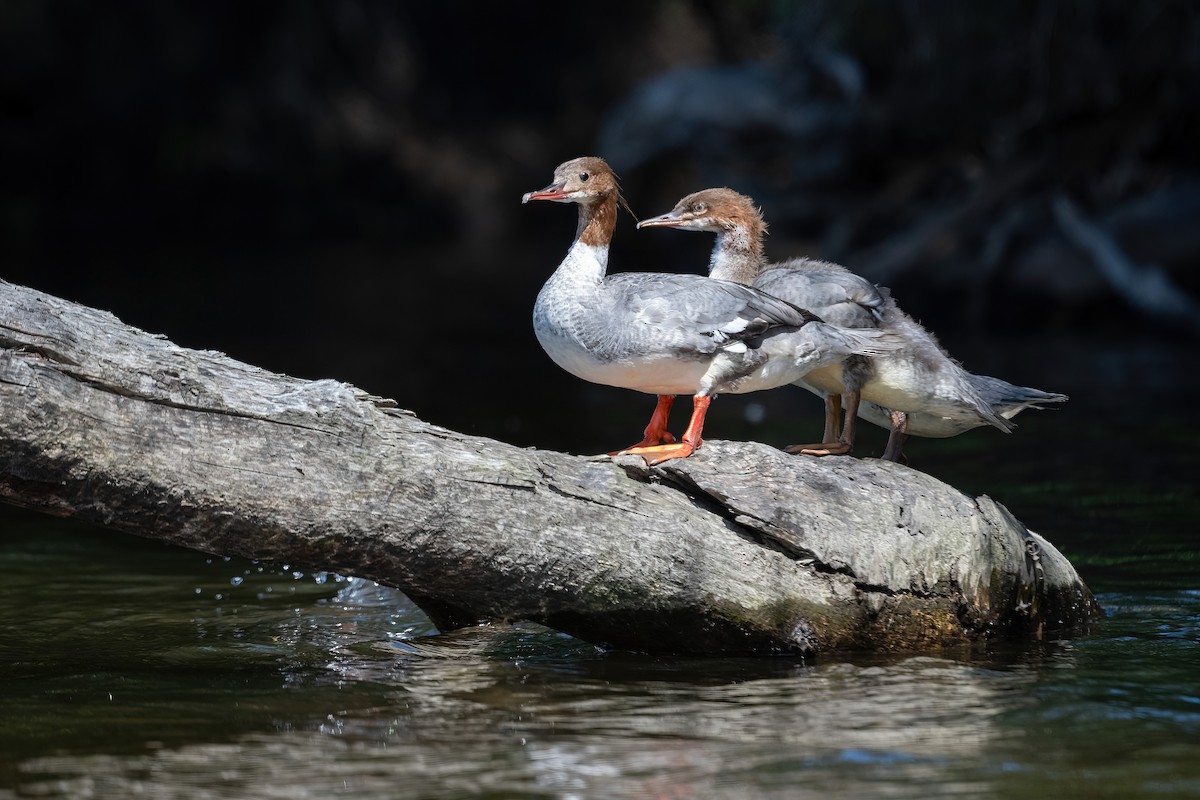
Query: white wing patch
point(735, 325)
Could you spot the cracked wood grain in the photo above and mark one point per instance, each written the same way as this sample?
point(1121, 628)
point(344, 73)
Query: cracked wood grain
point(740, 548)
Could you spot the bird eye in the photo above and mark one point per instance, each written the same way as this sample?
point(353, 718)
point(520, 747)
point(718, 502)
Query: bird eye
point(700, 208)
point(583, 176)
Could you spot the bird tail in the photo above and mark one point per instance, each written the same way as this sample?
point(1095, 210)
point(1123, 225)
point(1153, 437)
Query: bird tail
point(1008, 400)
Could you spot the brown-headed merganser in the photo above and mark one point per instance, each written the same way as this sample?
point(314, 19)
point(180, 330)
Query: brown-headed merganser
point(668, 334)
point(917, 389)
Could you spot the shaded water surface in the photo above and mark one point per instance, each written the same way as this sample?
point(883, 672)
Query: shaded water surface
point(129, 668)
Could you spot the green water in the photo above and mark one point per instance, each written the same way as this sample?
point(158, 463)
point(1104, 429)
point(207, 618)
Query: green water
point(129, 668)
point(134, 669)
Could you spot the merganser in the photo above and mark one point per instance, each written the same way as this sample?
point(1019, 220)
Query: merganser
point(916, 390)
point(668, 334)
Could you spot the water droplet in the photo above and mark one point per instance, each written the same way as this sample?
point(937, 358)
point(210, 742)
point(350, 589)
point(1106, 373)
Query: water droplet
point(236, 580)
point(198, 590)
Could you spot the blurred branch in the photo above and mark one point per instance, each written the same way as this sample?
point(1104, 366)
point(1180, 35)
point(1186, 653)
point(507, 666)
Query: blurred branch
point(1148, 288)
point(890, 259)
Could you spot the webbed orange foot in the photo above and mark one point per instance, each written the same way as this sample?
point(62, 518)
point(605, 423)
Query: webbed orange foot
point(666, 438)
point(657, 454)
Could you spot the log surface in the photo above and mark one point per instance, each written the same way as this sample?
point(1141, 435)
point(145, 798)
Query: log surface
point(740, 548)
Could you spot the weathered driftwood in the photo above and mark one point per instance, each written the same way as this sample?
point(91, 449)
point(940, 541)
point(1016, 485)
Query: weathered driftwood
point(740, 548)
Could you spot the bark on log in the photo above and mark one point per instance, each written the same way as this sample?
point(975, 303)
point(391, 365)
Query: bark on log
point(740, 548)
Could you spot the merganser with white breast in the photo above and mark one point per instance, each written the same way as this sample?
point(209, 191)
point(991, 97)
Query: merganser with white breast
point(667, 334)
point(917, 389)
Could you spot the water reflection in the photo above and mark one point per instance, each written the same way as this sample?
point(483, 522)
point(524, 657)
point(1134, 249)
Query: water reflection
point(473, 725)
point(343, 690)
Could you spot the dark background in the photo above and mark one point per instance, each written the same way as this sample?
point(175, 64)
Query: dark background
point(332, 189)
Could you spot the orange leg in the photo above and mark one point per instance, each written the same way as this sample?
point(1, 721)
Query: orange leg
point(656, 432)
point(895, 443)
point(656, 454)
point(835, 444)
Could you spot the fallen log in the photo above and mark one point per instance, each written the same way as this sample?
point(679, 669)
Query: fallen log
point(738, 549)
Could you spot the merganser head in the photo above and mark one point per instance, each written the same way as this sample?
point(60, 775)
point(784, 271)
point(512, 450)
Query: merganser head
point(711, 210)
point(584, 180)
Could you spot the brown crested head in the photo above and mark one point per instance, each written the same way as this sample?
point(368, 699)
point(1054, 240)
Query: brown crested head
point(713, 210)
point(585, 180)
